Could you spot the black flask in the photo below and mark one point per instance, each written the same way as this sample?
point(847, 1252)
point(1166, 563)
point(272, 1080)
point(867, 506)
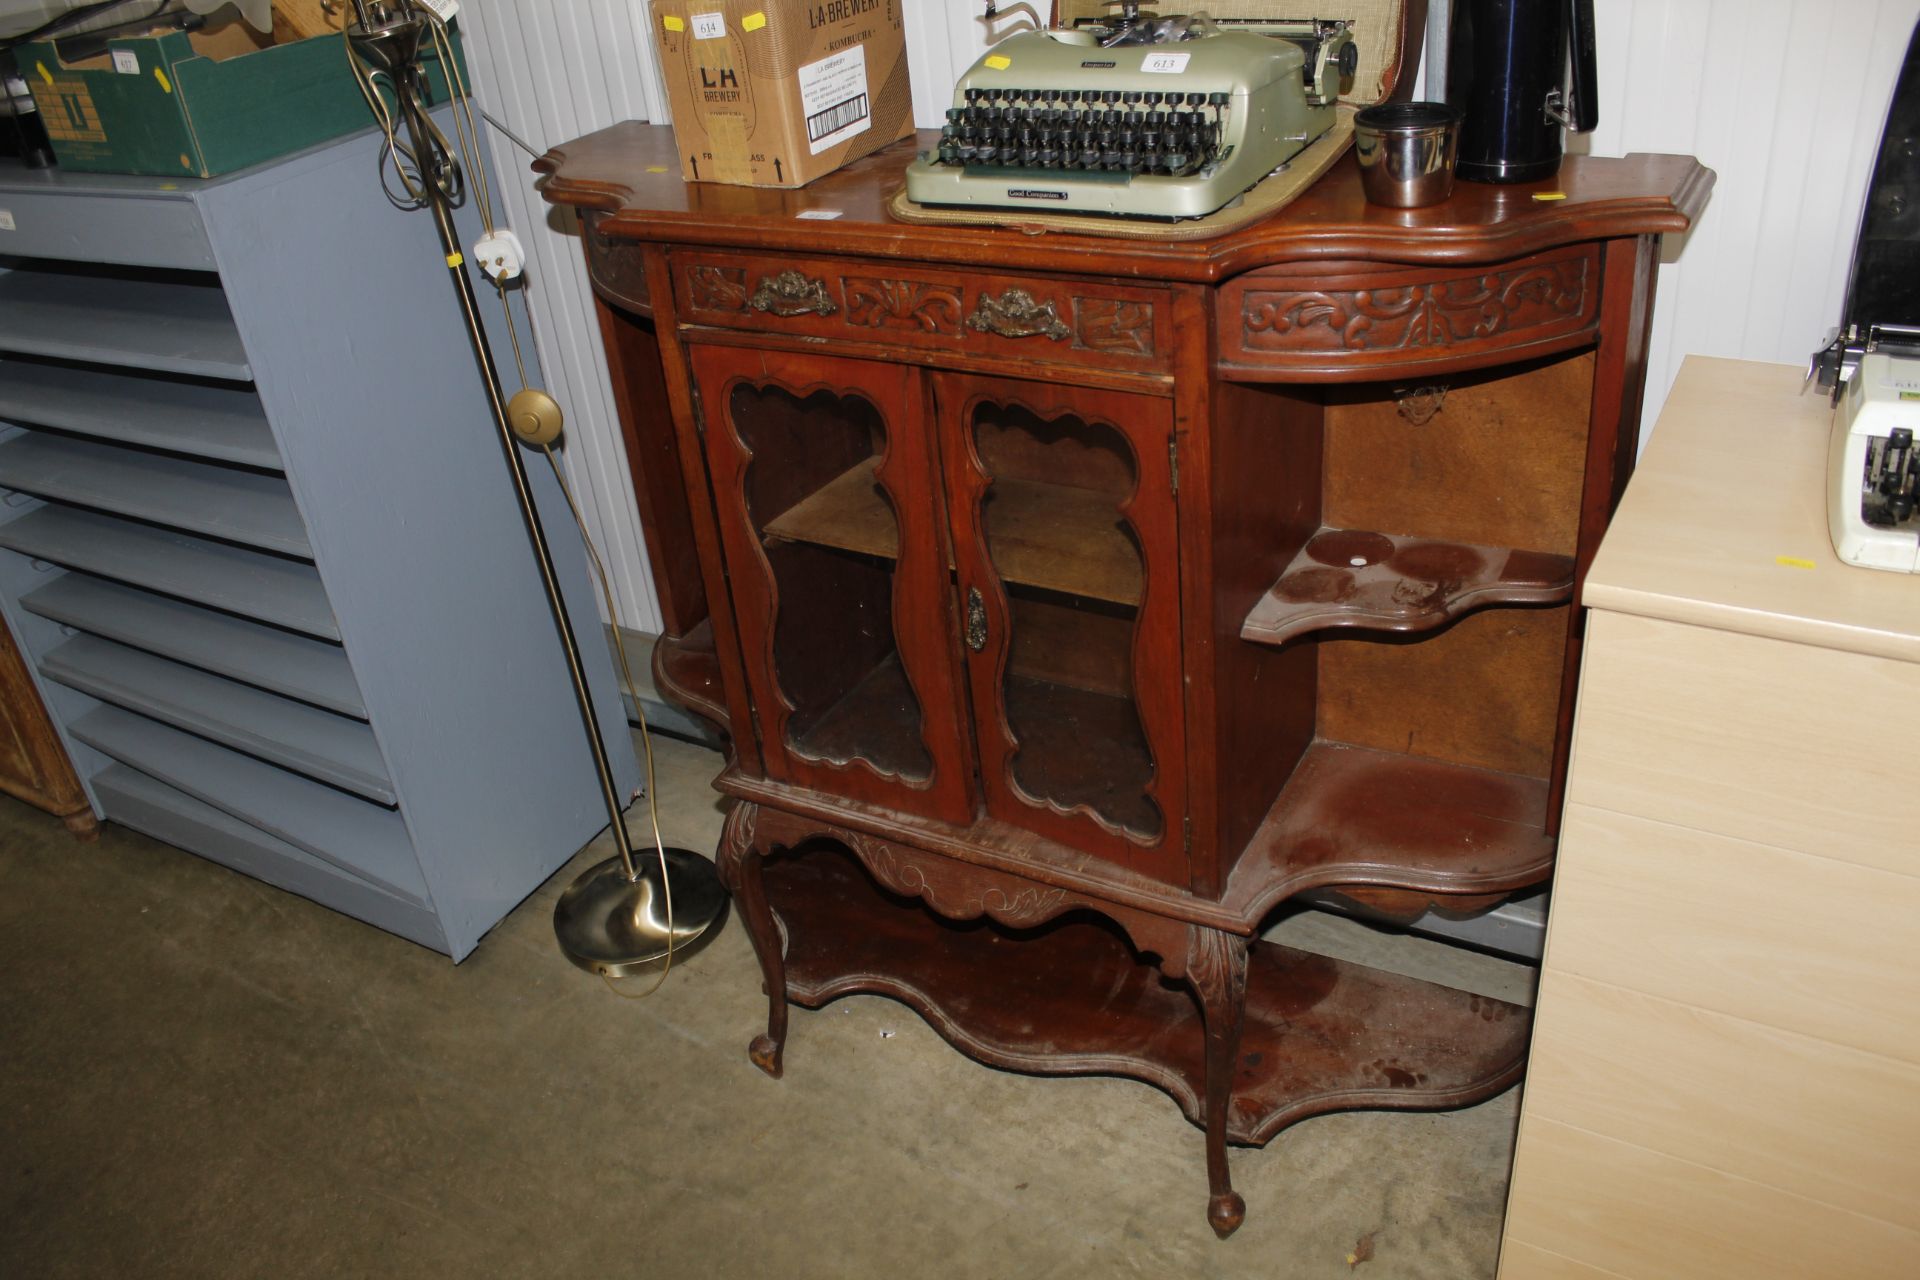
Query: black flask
point(1508, 72)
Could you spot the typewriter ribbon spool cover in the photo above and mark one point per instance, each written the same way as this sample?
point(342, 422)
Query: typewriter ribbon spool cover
point(776, 93)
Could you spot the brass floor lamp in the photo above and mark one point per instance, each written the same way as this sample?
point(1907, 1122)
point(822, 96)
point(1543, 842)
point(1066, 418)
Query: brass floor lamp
point(626, 913)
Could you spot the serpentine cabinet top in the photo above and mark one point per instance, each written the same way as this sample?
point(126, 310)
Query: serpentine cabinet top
point(630, 174)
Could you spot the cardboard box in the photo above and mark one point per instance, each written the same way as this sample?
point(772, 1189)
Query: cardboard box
point(775, 93)
point(196, 106)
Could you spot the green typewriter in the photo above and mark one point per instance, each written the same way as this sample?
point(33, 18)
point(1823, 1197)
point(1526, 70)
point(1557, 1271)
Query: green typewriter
point(1136, 116)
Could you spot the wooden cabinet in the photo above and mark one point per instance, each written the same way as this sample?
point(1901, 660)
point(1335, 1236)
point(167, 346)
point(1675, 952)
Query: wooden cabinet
point(1071, 603)
point(33, 764)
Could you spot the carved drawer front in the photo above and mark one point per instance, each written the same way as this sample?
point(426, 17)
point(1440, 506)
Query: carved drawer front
point(1345, 321)
point(618, 269)
point(1018, 317)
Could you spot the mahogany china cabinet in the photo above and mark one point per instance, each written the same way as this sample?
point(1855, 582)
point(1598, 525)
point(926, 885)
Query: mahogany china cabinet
point(1071, 602)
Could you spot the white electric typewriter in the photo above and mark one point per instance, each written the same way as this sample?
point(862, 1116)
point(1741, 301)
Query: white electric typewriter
point(1137, 116)
point(1872, 361)
point(1872, 466)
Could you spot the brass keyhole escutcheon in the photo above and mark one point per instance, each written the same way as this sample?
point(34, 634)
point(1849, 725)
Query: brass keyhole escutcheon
point(976, 620)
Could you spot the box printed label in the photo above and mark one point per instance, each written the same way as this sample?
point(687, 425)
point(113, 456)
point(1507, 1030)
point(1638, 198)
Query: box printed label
point(833, 98)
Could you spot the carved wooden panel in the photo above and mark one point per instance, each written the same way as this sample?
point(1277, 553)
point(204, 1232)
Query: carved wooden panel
point(715, 288)
point(1024, 318)
point(1304, 320)
point(954, 889)
point(874, 303)
point(618, 269)
point(1114, 324)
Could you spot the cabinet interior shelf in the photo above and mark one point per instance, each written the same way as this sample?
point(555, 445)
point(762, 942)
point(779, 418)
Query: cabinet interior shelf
point(1361, 816)
point(1050, 536)
point(170, 325)
point(235, 505)
point(1073, 999)
point(1394, 582)
point(363, 840)
point(204, 420)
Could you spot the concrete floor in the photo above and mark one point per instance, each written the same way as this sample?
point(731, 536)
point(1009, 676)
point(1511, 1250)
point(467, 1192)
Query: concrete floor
point(203, 1076)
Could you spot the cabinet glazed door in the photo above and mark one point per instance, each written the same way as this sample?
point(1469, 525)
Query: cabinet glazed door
point(1066, 554)
point(835, 544)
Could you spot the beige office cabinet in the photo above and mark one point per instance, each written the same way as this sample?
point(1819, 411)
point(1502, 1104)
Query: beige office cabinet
point(1725, 1074)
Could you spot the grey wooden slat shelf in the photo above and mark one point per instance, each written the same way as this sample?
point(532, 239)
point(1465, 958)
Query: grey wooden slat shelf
point(146, 804)
point(287, 593)
point(319, 744)
point(259, 544)
point(229, 503)
point(172, 325)
point(202, 419)
point(364, 840)
point(283, 661)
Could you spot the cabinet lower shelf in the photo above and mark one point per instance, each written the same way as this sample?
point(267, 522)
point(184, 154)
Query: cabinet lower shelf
point(1072, 998)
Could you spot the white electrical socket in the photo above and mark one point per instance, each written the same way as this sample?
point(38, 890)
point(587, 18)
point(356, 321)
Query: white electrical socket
point(500, 255)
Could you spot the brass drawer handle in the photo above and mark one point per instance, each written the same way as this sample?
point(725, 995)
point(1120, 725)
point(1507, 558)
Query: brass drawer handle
point(976, 620)
point(792, 294)
point(1017, 314)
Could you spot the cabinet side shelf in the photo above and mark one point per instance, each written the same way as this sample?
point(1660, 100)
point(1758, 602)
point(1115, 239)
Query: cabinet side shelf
point(1395, 582)
point(686, 669)
point(1353, 815)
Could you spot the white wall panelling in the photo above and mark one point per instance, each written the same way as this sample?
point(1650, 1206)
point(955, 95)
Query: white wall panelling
point(1783, 99)
point(550, 72)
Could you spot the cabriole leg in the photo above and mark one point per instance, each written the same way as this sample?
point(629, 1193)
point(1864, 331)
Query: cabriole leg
point(1217, 968)
point(740, 867)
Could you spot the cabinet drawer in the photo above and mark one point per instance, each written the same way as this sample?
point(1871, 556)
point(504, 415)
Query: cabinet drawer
point(1347, 321)
point(1016, 317)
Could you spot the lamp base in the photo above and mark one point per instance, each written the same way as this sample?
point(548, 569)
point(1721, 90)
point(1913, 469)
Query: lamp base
point(611, 925)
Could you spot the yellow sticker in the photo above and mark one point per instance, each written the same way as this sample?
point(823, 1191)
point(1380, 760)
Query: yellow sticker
point(455, 258)
point(45, 74)
point(1793, 562)
point(999, 62)
point(672, 23)
point(753, 22)
point(161, 76)
point(656, 168)
point(1549, 195)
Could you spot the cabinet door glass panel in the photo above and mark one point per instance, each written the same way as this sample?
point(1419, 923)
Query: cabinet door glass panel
point(831, 538)
point(1071, 569)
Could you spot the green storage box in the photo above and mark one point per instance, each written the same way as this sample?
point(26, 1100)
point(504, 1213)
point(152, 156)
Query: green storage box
point(158, 105)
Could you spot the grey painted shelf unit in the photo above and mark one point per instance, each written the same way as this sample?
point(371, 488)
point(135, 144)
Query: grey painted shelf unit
point(258, 541)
